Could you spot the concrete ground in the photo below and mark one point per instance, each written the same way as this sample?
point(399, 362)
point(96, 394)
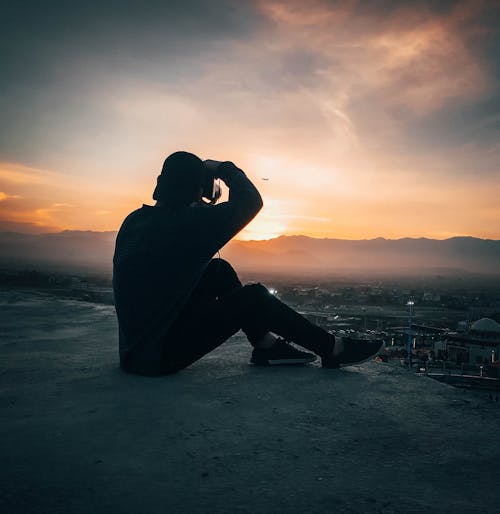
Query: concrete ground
point(79, 436)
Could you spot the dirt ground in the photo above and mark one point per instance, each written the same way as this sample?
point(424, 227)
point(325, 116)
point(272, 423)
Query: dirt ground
point(80, 436)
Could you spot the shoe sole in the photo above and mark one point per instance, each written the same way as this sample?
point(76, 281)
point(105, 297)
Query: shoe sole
point(355, 363)
point(283, 362)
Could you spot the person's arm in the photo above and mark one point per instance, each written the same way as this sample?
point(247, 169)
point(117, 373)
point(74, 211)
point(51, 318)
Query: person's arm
point(243, 195)
point(223, 221)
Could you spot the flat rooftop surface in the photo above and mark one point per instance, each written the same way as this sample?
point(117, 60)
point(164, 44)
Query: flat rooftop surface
point(80, 436)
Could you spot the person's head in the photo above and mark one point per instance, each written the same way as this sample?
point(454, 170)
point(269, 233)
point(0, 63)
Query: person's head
point(181, 179)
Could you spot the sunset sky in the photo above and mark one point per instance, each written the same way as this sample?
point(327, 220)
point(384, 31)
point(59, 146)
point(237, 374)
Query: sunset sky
point(368, 118)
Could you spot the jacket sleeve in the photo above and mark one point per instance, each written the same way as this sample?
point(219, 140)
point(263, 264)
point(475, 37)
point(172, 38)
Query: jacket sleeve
point(223, 221)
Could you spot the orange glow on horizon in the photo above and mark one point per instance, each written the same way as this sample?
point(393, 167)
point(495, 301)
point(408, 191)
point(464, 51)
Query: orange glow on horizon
point(339, 113)
point(48, 204)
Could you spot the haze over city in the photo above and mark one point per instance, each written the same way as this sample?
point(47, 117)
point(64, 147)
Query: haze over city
point(354, 119)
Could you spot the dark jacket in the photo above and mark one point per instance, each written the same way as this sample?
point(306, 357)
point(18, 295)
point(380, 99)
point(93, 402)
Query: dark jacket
point(160, 255)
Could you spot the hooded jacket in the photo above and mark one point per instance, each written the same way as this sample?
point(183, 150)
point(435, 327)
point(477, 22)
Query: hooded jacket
point(161, 254)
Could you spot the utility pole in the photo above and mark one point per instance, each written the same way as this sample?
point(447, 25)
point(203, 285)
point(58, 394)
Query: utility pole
point(410, 304)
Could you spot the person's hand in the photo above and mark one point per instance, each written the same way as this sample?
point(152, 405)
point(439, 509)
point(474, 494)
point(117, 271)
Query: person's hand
point(226, 168)
point(220, 169)
point(212, 166)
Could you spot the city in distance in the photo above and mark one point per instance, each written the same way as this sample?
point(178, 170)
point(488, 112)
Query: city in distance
point(345, 286)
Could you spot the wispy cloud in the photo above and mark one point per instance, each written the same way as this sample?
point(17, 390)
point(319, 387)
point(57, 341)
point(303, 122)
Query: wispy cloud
point(5, 196)
point(411, 58)
point(367, 118)
point(32, 197)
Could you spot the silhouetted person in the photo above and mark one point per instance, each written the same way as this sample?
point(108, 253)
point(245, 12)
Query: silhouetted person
point(176, 303)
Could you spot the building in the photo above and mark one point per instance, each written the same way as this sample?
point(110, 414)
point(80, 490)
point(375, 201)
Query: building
point(480, 345)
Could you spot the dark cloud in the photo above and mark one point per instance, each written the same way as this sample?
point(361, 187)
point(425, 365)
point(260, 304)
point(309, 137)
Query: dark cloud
point(40, 38)
point(52, 52)
point(457, 77)
point(474, 126)
point(384, 7)
point(24, 228)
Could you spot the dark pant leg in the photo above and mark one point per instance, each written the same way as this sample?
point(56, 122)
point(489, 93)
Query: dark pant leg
point(204, 326)
point(257, 311)
point(218, 279)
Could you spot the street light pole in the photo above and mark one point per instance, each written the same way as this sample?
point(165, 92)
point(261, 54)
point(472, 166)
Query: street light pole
point(410, 304)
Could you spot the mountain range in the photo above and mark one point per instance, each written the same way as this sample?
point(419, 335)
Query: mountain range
point(285, 254)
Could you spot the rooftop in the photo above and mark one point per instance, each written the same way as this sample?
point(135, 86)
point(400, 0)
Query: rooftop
point(486, 325)
point(80, 436)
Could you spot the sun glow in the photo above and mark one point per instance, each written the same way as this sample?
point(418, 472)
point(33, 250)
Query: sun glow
point(336, 113)
point(261, 229)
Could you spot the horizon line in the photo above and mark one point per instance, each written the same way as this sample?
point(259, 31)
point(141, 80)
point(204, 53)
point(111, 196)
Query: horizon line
point(262, 240)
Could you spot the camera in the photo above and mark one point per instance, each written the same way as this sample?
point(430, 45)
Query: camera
point(211, 188)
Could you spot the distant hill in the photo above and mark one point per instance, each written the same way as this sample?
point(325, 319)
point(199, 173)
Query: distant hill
point(458, 254)
point(68, 249)
point(285, 254)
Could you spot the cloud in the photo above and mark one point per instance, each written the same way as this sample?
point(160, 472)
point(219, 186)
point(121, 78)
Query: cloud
point(413, 59)
point(18, 174)
point(56, 56)
point(33, 197)
point(319, 77)
point(339, 104)
point(25, 228)
point(44, 41)
point(4, 196)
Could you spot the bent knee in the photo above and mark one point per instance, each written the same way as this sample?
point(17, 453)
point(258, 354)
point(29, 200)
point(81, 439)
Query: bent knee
point(220, 266)
point(220, 263)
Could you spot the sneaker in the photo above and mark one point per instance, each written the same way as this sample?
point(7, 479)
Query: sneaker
point(355, 351)
point(281, 353)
